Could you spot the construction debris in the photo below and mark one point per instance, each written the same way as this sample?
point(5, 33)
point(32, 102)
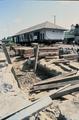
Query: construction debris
point(56, 82)
point(11, 97)
point(43, 86)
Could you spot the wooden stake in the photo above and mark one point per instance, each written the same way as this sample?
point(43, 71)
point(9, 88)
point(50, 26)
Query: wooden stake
point(6, 54)
point(36, 57)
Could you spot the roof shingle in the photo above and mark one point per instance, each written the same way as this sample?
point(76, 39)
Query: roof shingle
point(41, 26)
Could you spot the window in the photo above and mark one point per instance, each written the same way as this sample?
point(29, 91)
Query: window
point(43, 36)
point(40, 36)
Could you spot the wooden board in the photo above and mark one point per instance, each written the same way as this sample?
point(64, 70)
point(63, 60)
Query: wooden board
point(66, 76)
point(42, 102)
point(53, 85)
point(31, 109)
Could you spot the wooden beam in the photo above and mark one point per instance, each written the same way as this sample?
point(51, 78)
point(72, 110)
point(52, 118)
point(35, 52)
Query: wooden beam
point(33, 107)
point(66, 76)
point(42, 102)
point(6, 54)
point(68, 90)
point(36, 57)
point(65, 67)
point(55, 82)
point(9, 62)
point(53, 85)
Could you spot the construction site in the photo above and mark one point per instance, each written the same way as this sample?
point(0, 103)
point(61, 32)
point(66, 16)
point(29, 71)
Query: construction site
point(40, 82)
point(39, 60)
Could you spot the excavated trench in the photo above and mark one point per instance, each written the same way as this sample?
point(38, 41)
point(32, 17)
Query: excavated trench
point(27, 77)
point(44, 73)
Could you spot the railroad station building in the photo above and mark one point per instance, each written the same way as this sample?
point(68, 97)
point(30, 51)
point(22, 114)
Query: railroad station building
point(44, 32)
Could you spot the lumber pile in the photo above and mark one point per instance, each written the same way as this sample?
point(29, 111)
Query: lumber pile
point(48, 52)
point(48, 49)
point(43, 52)
point(64, 83)
point(25, 52)
point(56, 82)
point(43, 102)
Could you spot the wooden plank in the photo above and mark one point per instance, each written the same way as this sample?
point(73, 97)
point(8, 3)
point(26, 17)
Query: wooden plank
point(51, 57)
point(74, 65)
point(61, 61)
point(48, 49)
point(68, 90)
point(2, 57)
point(42, 102)
point(66, 76)
point(32, 109)
point(44, 54)
point(65, 67)
point(70, 56)
point(6, 54)
point(57, 61)
point(53, 85)
point(24, 52)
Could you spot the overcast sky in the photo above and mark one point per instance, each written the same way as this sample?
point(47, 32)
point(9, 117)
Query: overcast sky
point(16, 15)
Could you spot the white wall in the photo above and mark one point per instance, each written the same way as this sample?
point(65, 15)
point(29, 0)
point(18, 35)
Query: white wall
point(54, 35)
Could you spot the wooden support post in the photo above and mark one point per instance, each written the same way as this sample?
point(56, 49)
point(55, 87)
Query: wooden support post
point(36, 57)
point(6, 54)
point(9, 62)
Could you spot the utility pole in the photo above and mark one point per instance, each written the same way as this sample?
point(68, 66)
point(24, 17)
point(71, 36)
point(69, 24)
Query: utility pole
point(54, 19)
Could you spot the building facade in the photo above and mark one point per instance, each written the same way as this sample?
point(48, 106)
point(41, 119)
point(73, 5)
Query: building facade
point(44, 32)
